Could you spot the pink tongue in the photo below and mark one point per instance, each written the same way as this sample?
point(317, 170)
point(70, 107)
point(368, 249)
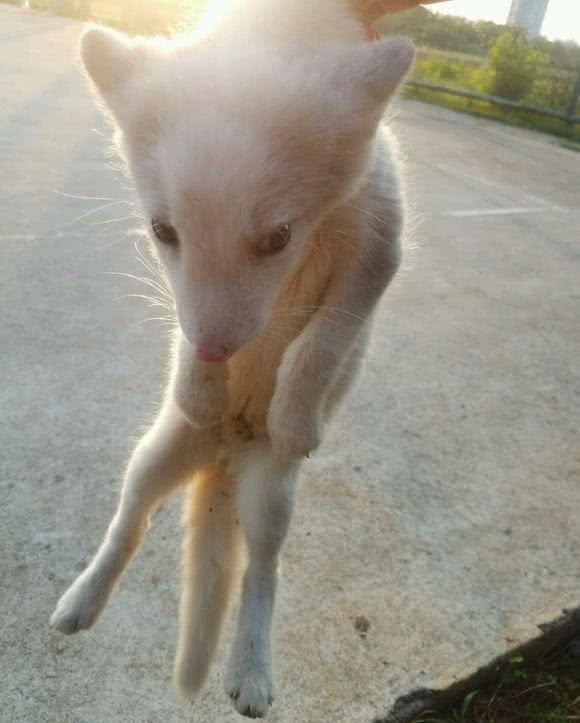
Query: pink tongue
point(208, 354)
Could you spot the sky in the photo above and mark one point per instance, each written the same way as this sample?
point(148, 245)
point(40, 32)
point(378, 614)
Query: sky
point(562, 18)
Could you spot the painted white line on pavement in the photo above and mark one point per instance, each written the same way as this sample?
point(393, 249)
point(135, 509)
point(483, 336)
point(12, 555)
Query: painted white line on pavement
point(468, 213)
point(495, 184)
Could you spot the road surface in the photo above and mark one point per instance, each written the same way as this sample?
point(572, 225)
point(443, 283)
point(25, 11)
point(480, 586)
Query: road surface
point(443, 506)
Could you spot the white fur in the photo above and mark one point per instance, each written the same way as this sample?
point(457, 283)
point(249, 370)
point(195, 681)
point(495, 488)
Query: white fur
point(270, 116)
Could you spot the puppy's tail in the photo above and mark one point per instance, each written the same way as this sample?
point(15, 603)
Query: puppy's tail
point(210, 560)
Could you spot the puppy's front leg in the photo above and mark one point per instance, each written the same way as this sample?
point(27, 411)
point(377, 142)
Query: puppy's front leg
point(313, 360)
point(200, 389)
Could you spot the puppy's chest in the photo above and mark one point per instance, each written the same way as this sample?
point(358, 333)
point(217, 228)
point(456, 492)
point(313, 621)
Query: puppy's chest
point(252, 382)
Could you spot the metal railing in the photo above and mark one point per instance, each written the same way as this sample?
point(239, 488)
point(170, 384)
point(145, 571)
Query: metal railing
point(569, 116)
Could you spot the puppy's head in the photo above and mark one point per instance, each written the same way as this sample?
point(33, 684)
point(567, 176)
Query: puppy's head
point(237, 155)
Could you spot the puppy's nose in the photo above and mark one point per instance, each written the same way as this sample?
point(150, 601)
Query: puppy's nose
point(210, 353)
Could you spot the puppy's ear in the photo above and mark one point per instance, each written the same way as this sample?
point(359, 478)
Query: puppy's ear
point(107, 56)
point(378, 68)
point(111, 59)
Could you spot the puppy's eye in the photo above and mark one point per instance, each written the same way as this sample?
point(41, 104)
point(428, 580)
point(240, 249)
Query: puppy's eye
point(164, 233)
point(276, 241)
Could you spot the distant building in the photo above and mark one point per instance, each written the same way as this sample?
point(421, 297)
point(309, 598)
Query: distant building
point(529, 14)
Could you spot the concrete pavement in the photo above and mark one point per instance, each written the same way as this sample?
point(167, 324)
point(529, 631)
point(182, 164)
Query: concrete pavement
point(443, 507)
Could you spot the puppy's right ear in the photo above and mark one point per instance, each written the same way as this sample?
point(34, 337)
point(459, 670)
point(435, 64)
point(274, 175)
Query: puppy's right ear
point(108, 57)
point(111, 59)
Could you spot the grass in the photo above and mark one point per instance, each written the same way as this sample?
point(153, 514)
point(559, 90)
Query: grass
point(457, 715)
point(570, 145)
point(453, 55)
point(547, 691)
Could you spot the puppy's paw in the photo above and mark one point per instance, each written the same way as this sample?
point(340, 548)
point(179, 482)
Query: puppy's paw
point(191, 671)
point(295, 430)
point(250, 688)
point(203, 403)
point(80, 606)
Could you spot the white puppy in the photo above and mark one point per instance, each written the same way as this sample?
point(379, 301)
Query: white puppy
point(276, 212)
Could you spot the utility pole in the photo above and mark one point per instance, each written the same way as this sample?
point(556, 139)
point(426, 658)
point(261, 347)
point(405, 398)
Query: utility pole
point(528, 14)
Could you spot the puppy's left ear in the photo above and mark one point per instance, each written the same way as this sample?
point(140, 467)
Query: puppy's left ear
point(378, 68)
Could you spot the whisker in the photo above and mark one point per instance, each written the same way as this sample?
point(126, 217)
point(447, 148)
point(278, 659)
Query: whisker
point(166, 321)
point(142, 279)
point(368, 213)
point(311, 310)
point(154, 284)
point(345, 311)
point(149, 265)
point(160, 286)
point(292, 328)
point(91, 213)
point(90, 198)
point(271, 334)
point(309, 313)
point(109, 221)
point(152, 300)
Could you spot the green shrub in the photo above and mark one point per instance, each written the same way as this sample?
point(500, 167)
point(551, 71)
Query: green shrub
point(553, 90)
point(514, 65)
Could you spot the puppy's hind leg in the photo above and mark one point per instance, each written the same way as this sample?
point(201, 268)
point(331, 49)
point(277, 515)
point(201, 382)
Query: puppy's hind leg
point(209, 564)
point(165, 458)
point(265, 502)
